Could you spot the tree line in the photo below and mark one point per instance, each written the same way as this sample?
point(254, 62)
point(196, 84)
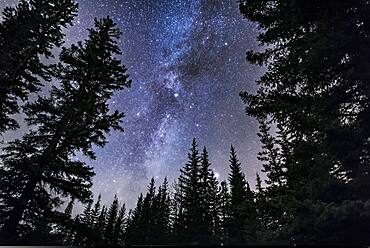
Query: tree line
point(312, 105)
point(195, 210)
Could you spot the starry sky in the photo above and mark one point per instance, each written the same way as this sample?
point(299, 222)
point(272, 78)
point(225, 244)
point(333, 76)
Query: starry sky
point(187, 62)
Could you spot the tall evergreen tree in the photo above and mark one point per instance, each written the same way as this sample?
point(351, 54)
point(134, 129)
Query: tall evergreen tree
point(135, 231)
point(238, 195)
point(112, 215)
point(147, 214)
point(315, 89)
point(28, 31)
point(225, 212)
point(162, 212)
point(73, 118)
point(209, 205)
point(189, 183)
point(206, 193)
point(214, 210)
point(100, 227)
point(118, 232)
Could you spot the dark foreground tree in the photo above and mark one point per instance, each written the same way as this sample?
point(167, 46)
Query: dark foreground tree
point(316, 91)
point(28, 32)
point(40, 166)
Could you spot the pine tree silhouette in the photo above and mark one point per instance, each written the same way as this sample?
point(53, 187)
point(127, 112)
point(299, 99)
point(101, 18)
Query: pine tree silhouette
point(28, 31)
point(73, 118)
point(238, 194)
point(189, 183)
point(112, 215)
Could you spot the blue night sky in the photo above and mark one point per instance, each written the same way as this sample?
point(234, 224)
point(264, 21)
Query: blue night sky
point(187, 62)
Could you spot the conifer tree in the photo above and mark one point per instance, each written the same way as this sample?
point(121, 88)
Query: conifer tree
point(214, 209)
point(162, 211)
point(249, 212)
point(100, 227)
point(189, 183)
point(66, 230)
point(73, 118)
point(95, 212)
point(69, 208)
point(135, 231)
point(118, 231)
point(147, 214)
point(225, 212)
point(238, 195)
point(86, 214)
point(28, 31)
point(209, 205)
point(314, 90)
point(206, 193)
point(112, 216)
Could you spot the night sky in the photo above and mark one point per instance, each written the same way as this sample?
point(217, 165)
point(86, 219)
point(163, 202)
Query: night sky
point(187, 62)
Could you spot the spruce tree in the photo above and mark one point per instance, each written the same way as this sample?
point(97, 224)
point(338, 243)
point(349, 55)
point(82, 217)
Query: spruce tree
point(189, 183)
point(206, 193)
point(225, 211)
point(315, 90)
point(135, 231)
point(209, 205)
point(162, 210)
point(118, 231)
point(112, 216)
point(100, 227)
point(238, 195)
point(147, 214)
point(214, 210)
point(73, 118)
point(28, 31)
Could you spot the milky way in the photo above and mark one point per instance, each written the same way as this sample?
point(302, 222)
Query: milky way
point(187, 63)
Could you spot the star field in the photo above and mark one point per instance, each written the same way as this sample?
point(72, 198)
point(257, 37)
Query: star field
point(187, 63)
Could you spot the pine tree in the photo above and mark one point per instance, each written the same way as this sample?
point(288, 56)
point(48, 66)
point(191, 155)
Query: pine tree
point(95, 212)
point(66, 232)
point(135, 231)
point(238, 193)
point(162, 210)
point(73, 118)
point(147, 214)
point(215, 209)
point(177, 216)
point(225, 212)
point(249, 212)
point(86, 214)
point(69, 208)
point(315, 90)
point(28, 31)
point(119, 227)
point(209, 206)
point(95, 230)
point(206, 193)
point(189, 181)
point(112, 216)
point(100, 227)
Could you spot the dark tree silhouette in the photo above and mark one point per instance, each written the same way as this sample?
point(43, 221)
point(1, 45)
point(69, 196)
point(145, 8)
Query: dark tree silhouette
point(315, 90)
point(112, 216)
point(238, 195)
point(28, 32)
point(189, 184)
point(73, 118)
point(225, 212)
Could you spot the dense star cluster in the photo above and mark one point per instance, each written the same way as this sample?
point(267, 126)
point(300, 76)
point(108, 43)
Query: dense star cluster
point(187, 68)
